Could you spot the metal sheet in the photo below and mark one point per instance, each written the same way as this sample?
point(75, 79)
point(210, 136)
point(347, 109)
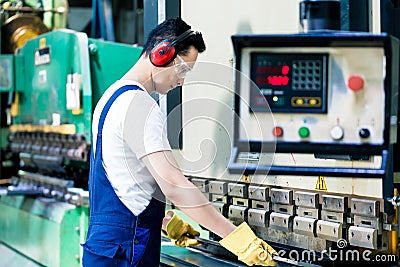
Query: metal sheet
point(10, 258)
point(177, 256)
point(47, 226)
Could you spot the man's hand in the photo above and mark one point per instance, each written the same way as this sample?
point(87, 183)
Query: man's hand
point(248, 247)
point(181, 233)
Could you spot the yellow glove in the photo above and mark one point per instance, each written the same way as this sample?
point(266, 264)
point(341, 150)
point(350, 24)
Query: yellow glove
point(180, 232)
point(248, 247)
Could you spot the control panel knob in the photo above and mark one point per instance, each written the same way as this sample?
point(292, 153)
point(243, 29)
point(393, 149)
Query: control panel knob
point(277, 131)
point(355, 83)
point(337, 133)
point(364, 133)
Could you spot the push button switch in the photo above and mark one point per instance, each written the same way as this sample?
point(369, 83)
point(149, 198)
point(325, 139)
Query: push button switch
point(337, 133)
point(364, 133)
point(355, 83)
point(277, 131)
point(304, 132)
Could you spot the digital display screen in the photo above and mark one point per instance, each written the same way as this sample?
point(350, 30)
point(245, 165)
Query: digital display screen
point(289, 82)
point(273, 75)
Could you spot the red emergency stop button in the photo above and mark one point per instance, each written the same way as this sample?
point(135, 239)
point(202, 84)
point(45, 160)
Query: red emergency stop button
point(355, 83)
point(277, 131)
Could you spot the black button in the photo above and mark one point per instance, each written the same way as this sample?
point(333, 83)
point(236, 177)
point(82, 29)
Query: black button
point(364, 133)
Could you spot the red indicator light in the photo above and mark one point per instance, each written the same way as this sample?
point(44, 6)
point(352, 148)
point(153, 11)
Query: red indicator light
point(277, 131)
point(285, 70)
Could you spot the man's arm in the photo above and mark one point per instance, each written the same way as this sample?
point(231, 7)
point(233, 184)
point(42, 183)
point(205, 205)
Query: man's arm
point(185, 195)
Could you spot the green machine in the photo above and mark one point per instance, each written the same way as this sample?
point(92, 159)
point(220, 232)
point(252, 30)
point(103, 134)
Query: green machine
point(52, 83)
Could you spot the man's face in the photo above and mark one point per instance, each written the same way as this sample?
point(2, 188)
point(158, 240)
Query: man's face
point(168, 78)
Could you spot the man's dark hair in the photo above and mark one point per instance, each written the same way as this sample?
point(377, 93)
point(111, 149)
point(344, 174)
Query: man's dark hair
point(170, 29)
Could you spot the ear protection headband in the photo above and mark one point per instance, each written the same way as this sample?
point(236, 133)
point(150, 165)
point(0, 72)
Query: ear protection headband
point(164, 52)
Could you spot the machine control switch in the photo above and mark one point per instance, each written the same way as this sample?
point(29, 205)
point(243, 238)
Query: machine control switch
point(277, 131)
point(304, 132)
point(364, 133)
point(355, 83)
point(337, 133)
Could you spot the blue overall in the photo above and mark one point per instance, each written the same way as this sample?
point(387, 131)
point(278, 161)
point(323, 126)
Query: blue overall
point(115, 236)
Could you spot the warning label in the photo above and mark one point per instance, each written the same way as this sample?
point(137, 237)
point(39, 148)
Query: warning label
point(321, 184)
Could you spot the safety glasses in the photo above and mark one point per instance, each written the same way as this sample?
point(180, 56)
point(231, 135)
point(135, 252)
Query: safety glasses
point(181, 67)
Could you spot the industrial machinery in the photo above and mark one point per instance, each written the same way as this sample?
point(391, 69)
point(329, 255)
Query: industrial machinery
point(19, 22)
point(333, 98)
point(59, 77)
point(311, 169)
point(309, 161)
point(23, 20)
point(298, 137)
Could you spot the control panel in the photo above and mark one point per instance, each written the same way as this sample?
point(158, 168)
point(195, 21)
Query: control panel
point(302, 91)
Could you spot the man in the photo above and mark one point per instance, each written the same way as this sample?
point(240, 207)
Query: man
point(131, 160)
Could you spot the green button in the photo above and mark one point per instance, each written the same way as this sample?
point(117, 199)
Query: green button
point(304, 132)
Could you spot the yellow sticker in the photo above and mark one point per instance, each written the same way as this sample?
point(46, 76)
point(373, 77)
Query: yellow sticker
point(321, 184)
point(42, 43)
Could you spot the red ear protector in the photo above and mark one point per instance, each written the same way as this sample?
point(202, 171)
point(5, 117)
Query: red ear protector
point(164, 52)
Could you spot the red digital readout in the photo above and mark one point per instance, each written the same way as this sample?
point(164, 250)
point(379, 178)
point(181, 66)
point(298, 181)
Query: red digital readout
point(274, 75)
point(278, 80)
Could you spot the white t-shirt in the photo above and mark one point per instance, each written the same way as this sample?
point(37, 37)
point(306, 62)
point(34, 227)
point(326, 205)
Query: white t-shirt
point(134, 127)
